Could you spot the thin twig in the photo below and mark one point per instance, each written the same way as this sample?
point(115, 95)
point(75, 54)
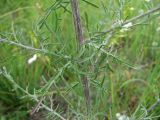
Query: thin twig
point(112, 55)
point(79, 37)
point(130, 20)
point(34, 97)
point(22, 46)
point(16, 10)
point(31, 48)
point(154, 105)
point(34, 110)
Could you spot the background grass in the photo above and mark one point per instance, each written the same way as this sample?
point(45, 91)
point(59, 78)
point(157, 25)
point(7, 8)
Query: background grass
point(55, 75)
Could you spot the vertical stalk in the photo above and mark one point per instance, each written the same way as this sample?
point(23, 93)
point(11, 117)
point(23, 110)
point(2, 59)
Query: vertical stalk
point(113, 110)
point(79, 37)
point(77, 22)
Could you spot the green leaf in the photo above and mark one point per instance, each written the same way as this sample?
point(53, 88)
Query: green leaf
point(92, 4)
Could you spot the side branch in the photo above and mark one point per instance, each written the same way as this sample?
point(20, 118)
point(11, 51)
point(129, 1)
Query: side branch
point(154, 105)
point(29, 48)
point(130, 20)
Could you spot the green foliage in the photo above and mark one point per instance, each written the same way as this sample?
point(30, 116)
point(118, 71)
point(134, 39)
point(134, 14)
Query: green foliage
point(122, 66)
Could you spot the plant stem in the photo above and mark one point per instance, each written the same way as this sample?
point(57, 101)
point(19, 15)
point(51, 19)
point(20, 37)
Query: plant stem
point(113, 110)
point(77, 22)
point(79, 37)
point(154, 105)
point(130, 20)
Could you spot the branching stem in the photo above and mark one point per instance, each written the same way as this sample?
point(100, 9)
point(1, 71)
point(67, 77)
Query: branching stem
point(131, 20)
